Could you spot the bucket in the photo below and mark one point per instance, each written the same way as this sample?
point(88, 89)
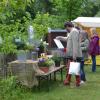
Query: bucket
point(22, 55)
point(34, 56)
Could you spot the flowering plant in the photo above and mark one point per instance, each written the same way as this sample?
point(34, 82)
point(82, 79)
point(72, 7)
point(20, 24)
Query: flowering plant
point(45, 62)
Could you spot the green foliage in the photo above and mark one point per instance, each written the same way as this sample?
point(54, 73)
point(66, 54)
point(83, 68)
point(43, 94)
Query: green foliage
point(6, 87)
point(29, 47)
point(7, 32)
point(43, 21)
point(16, 29)
point(19, 29)
point(74, 8)
point(7, 84)
point(69, 9)
point(90, 8)
point(57, 59)
point(40, 25)
point(8, 47)
point(10, 90)
point(46, 63)
point(98, 14)
point(15, 17)
point(43, 6)
point(12, 10)
point(56, 21)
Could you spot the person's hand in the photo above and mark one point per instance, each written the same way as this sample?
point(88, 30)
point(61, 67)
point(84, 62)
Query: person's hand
point(59, 37)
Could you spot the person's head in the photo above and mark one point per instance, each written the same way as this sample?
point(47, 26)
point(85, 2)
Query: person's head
point(68, 26)
point(84, 35)
point(78, 28)
point(93, 31)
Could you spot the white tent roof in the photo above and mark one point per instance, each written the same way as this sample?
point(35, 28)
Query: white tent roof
point(88, 21)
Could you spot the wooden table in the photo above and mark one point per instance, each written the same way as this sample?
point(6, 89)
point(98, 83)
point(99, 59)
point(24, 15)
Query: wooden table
point(47, 75)
point(29, 74)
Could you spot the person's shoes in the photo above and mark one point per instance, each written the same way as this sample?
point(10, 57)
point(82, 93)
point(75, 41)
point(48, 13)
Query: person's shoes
point(77, 85)
point(66, 83)
point(82, 82)
point(93, 71)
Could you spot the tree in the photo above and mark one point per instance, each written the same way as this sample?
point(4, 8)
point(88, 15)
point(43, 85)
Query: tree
point(90, 8)
point(69, 9)
point(12, 10)
point(43, 6)
point(74, 8)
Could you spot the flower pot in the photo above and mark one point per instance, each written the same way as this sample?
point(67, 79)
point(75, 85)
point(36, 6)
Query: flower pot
point(44, 69)
point(57, 63)
point(21, 55)
point(64, 61)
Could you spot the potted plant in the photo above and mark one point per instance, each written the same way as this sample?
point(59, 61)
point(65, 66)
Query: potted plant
point(57, 60)
point(44, 64)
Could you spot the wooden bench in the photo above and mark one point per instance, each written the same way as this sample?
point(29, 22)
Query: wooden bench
point(47, 75)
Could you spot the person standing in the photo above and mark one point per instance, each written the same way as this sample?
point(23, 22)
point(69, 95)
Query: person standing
point(84, 47)
point(74, 52)
point(94, 47)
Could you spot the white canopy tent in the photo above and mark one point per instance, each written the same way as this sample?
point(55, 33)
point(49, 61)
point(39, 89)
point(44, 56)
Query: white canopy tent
point(88, 21)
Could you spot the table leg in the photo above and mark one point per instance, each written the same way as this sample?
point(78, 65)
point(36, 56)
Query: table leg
point(47, 83)
point(39, 78)
point(50, 77)
point(61, 71)
point(54, 76)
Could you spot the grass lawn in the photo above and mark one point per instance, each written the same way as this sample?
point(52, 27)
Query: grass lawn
point(88, 91)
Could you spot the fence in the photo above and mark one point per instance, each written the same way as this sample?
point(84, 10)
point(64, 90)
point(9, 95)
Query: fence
point(4, 59)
